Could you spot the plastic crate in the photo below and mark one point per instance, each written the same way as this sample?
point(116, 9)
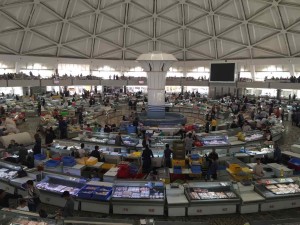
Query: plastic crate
point(40, 157)
point(102, 193)
point(69, 161)
point(195, 157)
point(196, 169)
point(131, 129)
point(177, 169)
point(52, 163)
point(294, 163)
point(87, 191)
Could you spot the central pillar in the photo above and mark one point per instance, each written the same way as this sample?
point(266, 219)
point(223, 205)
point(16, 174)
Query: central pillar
point(156, 64)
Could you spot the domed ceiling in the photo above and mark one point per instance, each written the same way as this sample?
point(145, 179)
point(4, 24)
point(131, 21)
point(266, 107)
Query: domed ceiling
point(122, 30)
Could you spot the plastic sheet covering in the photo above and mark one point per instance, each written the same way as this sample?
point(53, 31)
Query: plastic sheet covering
point(21, 138)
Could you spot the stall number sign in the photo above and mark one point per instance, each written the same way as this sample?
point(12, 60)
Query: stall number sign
point(151, 210)
point(125, 209)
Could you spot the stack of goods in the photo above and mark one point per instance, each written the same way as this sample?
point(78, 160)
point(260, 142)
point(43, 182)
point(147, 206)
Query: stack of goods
point(253, 137)
point(7, 174)
point(282, 189)
point(57, 188)
point(23, 221)
point(178, 150)
point(214, 140)
point(205, 194)
point(138, 193)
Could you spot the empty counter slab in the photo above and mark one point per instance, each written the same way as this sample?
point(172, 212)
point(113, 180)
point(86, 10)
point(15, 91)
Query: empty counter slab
point(280, 193)
point(295, 148)
point(176, 200)
point(278, 169)
point(20, 138)
point(111, 175)
point(99, 200)
point(250, 199)
point(208, 198)
point(268, 171)
point(138, 197)
point(75, 170)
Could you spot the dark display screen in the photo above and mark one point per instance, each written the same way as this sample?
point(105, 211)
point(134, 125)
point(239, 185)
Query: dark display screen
point(222, 72)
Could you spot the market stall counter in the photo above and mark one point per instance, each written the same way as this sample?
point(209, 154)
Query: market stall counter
point(17, 217)
point(9, 172)
point(211, 198)
point(95, 196)
point(138, 197)
point(280, 193)
point(250, 200)
point(52, 186)
point(176, 200)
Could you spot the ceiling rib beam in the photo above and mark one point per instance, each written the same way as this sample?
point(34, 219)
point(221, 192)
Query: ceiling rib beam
point(246, 28)
point(10, 31)
point(154, 38)
point(17, 4)
point(139, 20)
point(184, 39)
point(80, 54)
point(94, 31)
point(201, 54)
point(265, 39)
point(39, 49)
point(167, 9)
point(27, 27)
point(125, 29)
point(270, 52)
point(63, 29)
point(198, 7)
point(224, 4)
point(214, 29)
point(140, 32)
point(102, 55)
point(228, 30)
point(233, 42)
point(283, 29)
point(141, 8)
point(259, 12)
point(233, 52)
point(198, 43)
point(9, 49)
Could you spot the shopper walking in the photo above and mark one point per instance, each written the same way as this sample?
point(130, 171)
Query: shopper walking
point(33, 196)
point(146, 157)
point(63, 128)
point(37, 148)
point(167, 156)
point(50, 136)
point(214, 124)
point(188, 141)
point(68, 210)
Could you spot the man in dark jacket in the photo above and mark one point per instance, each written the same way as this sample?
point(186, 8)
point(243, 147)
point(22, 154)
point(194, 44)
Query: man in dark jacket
point(167, 156)
point(95, 153)
point(146, 156)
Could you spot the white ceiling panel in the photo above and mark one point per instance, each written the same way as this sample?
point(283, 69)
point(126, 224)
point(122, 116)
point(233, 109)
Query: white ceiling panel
point(122, 29)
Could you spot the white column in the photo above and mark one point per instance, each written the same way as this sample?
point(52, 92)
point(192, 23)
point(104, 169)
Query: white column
point(252, 71)
point(156, 65)
point(156, 94)
point(17, 67)
point(292, 69)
